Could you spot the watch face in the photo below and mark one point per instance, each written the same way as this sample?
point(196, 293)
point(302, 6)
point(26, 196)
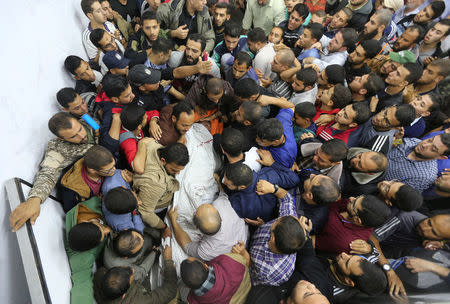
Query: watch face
point(387, 267)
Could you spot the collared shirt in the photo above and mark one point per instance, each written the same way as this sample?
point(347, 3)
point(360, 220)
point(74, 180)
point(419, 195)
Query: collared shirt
point(333, 58)
point(271, 268)
point(308, 96)
point(265, 17)
point(208, 284)
point(418, 174)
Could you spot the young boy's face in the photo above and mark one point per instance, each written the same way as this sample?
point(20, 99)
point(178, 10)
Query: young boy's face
point(345, 116)
point(275, 35)
point(301, 121)
point(325, 98)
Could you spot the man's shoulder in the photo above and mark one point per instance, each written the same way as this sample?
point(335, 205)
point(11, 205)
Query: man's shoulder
point(66, 148)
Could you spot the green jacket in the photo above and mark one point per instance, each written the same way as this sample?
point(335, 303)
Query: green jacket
point(169, 14)
point(81, 263)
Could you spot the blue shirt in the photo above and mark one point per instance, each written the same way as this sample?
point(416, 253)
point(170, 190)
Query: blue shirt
point(308, 53)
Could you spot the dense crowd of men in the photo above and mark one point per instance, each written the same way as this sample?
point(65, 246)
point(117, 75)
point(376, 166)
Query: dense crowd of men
point(330, 117)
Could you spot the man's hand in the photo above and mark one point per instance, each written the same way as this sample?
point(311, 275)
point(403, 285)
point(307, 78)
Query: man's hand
point(204, 67)
point(264, 187)
point(218, 181)
point(117, 35)
point(115, 14)
point(239, 248)
point(173, 214)
point(313, 66)
point(181, 32)
point(295, 167)
point(265, 81)
point(433, 245)
point(28, 210)
point(306, 135)
point(395, 284)
point(266, 157)
point(317, 46)
point(280, 46)
point(373, 104)
point(308, 60)
point(127, 175)
point(181, 48)
point(167, 253)
point(324, 119)
point(166, 233)
point(360, 247)
point(258, 222)
point(306, 223)
point(429, 60)
point(155, 129)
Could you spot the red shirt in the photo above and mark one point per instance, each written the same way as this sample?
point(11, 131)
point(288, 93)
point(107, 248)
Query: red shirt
point(320, 112)
point(338, 233)
point(319, 6)
point(326, 133)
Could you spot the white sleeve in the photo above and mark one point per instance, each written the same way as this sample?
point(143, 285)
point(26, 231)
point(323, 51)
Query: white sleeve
point(91, 50)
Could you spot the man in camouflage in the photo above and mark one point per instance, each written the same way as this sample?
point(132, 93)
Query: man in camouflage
point(74, 138)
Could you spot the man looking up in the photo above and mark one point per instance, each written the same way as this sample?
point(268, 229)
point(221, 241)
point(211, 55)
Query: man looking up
point(375, 28)
point(293, 27)
point(356, 64)
point(312, 34)
point(86, 78)
point(431, 44)
point(409, 40)
point(433, 73)
point(74, 138)
point(338, 21)
point(232, 43)
point(222, 15)
point(70, 101)
point(174, 122)
point(124, 27)
point(365, 86)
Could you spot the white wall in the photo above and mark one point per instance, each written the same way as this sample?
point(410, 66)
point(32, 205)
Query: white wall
point(36, 38)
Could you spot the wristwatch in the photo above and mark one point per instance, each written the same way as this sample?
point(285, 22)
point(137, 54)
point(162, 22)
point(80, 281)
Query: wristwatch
point(276, 187)
point(386, 267)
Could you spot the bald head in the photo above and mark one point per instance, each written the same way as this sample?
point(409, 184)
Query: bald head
point(207, 219)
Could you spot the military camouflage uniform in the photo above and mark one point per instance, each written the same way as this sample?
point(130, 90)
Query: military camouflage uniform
point(59, 155)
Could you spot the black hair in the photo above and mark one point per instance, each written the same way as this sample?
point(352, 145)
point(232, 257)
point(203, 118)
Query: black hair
point(316, 30)
point(239, 174)
point(445, 138)
point(305, 110)
point(211, 228)
point(405, 114)
point(233, 29)
point(289, 235)
point(131, 116)
point(86, 6)
point(420, 30)
point(161, 45)
point(341, 97)
point(302, 10)
point(336, 149)
point(224, 5)
point(84, 236)
point(95, 36)
point(66, 96)
point(362, 112)
point(407, 198)
point(445, 22)
point(243, 57)
point(252, 111)
point(116, 282)
point(373, 281)
point(374, 212)
point(335, 74)
point(373, 85)
point(97, 157)
point(193, 273)
point(198, 38)
point(270, 129)
point(120, 200)
point(350, 37)
point(175, 153)
point(438, 8)
point(232, 141)
point(209, 3)
point(182, 107)
point(371, 48)
point(245, 88)
point(149, 15)
point(60, 121)
point(124, 243)
point(114, 85)
point(257, 35)
point(415, 71)
point(326, 192)
point(71, 63)
point(380, 160)
point(214, 86)
point(308, 76)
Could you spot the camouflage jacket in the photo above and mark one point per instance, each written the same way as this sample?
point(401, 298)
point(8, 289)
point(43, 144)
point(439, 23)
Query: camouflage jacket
point(59, 155)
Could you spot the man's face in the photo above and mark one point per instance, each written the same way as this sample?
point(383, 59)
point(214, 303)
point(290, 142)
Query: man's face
point(336, 43)
point(263, 142)
point(422, 104)
point(358, 83)
point(354, 206)
point(425, 15)
point(397, 78)
point(406, 40)
point(290, 4)
point(436, 33)
point(298, 86)
point(371, 25)
point(149, 87)
point(323, 78)
point(76, 134)
point(306, 293)
point(435, 228)
point(151, 29)
point(363, 162)
point(385, 120)
point(107, 10)
point(231, 42)
point(357, 56)
point(301, 121)
point(84, 72)
point(388, 189)
point(172, 168)
point(339, 20)
point(239, 70)
point(295, 21)
point(220, 16)
point(262, 2)
point(430, 74)
point(184, 122)
point(349, 264)
point(253, 46)
point(389, 66)
point(346, 116)
point(229, 184)
point(127, 96)
point(277, 67)
point(442, 183)
point(154, 4)
point(107, 170)
point(322, 160)
point(78, 106)
point(108, 42)
point(306, 40)
point(193, 51)
point(214, 97)
point(97, 15)
point(275, 35)
point(325, 98)
point(313, 180)
point(431, 148)
point(199, 5)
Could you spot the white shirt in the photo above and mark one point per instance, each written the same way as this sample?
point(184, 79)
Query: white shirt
point(308, 96)
point(263, 59)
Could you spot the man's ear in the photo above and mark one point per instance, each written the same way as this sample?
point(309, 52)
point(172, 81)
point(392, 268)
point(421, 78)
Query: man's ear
point(141, 88)
point(241, 187)
point(439, 78)
point(356, 220)
point(388, 202)
point(442, 157)
point(115, 99)
point(353, 124)
point(309, 195)
point(247, 123)
point(163, 161)
point(362, 92)
point(90, 15)
point(174, 119)
point(427, 113)
point(76, 77)
point(228, 17)
point(348, 281)
point(65, 109)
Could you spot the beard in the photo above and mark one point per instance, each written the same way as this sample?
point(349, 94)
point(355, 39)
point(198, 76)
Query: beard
point(184, 61)
point(368, 36)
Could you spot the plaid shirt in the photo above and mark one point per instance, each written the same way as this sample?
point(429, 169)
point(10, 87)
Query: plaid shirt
point(208, 284)
point(418, 174)
point(270, 268)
